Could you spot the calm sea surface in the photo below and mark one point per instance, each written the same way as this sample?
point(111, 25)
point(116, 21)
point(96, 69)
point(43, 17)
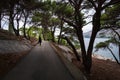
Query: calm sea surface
point(105, 53)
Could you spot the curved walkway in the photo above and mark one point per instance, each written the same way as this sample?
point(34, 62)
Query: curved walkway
point(41, 63)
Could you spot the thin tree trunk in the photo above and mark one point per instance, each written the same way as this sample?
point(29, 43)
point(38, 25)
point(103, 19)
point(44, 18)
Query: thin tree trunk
point(74, 50)
point(24, 28)
point(26, 14)
point(11, 24)
point(18, 27)
point(96, 28)
point(61, 26)
point(43, 32)
point(0, 19)
point(119, 48)
point(53, 33)
point(119, 52)
point(79, 32)
point(28, 32)
point(113, 55)
point(18, 19)
point(119, 40)
point(82, 44)
point(53, 38)
point(89, 51)
point(11, 19)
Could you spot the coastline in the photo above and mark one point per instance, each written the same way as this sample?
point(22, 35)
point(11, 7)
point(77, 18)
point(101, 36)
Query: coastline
point(97, 56)
point(102, 68)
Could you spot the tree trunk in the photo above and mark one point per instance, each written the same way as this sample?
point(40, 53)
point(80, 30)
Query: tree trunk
point(11, 19)
point(24, 28)
point(79, 32)
point(26, 14)
point(119, 42)
point(119, 52)
point(28, 33)
point(119, 48)
point(89, 51)
point(44, 32)
point(11, 23)
point(74, 50)
point(18, 19)
point(0, 19)
point(82, 44)
point(61, 26)
point(113, 55)
point(53, 37)
point(18, 28)
point(53, 33)
point(96, 28)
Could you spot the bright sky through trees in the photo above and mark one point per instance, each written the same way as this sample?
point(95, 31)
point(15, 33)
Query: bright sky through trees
point(86, 28)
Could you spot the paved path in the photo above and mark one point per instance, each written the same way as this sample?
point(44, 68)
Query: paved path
point(41, 63)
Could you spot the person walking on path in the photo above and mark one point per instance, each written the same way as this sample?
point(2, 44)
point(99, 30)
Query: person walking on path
point(40, 40)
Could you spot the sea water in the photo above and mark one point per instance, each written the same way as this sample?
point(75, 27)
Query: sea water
point(103, 52)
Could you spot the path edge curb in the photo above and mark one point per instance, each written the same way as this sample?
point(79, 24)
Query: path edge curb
point(76, 73)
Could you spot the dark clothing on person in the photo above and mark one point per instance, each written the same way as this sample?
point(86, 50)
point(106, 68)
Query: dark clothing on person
point(40, 40)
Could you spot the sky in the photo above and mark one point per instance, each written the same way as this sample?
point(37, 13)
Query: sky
point(87, 28)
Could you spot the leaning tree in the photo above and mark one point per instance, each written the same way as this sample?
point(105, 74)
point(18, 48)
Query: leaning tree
point(77, 23)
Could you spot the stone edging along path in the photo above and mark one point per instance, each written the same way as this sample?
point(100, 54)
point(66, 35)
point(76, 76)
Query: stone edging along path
point(75, 72)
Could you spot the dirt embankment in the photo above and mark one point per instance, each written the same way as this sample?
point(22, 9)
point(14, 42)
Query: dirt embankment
point(101, 69)
point(105, 70)
point(12, 49)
